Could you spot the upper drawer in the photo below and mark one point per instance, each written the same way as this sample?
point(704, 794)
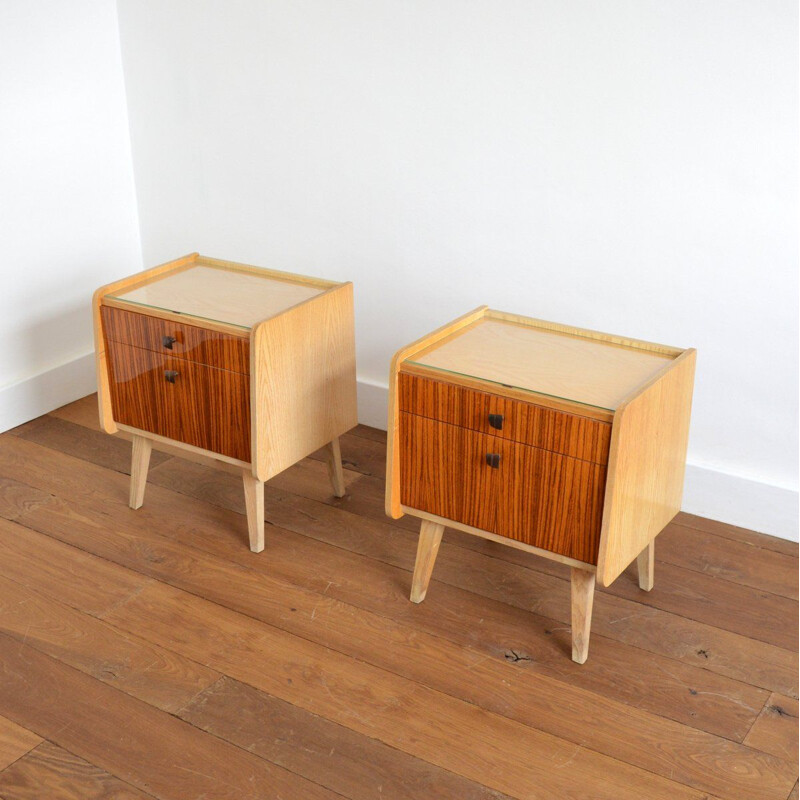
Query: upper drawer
point(177, 339)
point(559, 431)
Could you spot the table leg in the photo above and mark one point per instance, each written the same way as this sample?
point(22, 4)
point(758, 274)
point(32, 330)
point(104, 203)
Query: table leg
point(582, 590)
point(333, 454)
point(430, 537)
point(254, 502)
point(645, 564)
point(140, 462)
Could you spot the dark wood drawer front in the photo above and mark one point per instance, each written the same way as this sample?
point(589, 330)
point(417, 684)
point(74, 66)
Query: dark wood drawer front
point(443, 471)
point(177, 340)
point(181, 400)
point(550, 501)
point(535, 496)
point(546, 428)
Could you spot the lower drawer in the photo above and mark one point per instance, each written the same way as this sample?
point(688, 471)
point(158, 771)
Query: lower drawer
point(181, 400)
point(535, 496)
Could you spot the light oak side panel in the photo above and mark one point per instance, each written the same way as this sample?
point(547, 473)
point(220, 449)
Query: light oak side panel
point(101, 366)
point(304, 380)
point(646, 466)
point(393, 505)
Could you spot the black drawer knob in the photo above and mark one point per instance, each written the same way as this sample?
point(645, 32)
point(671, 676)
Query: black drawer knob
point(168, 341)
point(493, 460)
point(496, 421)
point(170, 375)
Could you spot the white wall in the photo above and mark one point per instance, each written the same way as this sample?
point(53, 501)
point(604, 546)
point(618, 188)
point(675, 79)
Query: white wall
point(67, 202)
point(629, 166)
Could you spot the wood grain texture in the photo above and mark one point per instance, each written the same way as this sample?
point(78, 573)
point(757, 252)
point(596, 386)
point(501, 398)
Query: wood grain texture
point(204, 407)
point(52, 772)
point(133, 665)
point(101, 366)
point(775, 731)
point(345, 761)
point(338, 574)
point(392, 500)
point(15, 741)
point(192, 342)
point(260, 596)
point(304, 380)
point(546, 428)
point(150, 749)
point(646, 466)
point(550, 501)
point(399, 713)
point(535, 496)
point(443, 471)
point(518, 603)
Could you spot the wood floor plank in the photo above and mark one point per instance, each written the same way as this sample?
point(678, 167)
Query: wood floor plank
point(793, 795)
point(365, 617)
point(456, 736)
point(133, 665)
point(17, 498)
point(735, 561)
point(101, 449)
point(775, 730)
point(734, 533)
point(35, 565)
point(723, 604)
point(15, 741)
point(666, 748)
point(150, 749)
point(351, 763)
point(697, 697)
point(52, 772)
point(677, 636)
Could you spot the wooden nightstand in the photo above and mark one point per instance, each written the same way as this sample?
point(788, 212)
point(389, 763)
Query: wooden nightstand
point(564, 442)
point(246, 366)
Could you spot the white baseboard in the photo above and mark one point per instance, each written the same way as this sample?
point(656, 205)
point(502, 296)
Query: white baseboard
point(46, 391)
point(708, 493)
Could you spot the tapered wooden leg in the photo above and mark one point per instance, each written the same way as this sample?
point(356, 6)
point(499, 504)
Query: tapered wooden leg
point(140, 461)
point(334, 457)
point(645, 564)
point(582, 601)
point(430, 537)
point(254, 502)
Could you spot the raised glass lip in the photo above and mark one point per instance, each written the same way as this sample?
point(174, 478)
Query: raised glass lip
point(120, 299)
point(535, 392)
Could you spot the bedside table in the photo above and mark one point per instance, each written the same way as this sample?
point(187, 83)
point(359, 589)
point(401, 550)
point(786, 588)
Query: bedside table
point(563, 442)
point(247, 366)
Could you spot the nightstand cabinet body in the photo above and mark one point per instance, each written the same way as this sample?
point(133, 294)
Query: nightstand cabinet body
point(564, 442)
point(249, 368)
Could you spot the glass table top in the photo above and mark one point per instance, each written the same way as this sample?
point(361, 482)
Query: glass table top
point(567, 366)
point(220, 295)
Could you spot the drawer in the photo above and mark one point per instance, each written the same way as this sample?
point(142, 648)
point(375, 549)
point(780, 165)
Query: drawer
point(204, 407)
point(515, 420)
point(190, 342)
point(535, 496)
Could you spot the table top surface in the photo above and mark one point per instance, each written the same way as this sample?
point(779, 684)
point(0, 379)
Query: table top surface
point(569, 366)
point(241, 298)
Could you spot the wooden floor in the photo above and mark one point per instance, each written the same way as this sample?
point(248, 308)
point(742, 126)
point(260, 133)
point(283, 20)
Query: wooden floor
point(149, 654)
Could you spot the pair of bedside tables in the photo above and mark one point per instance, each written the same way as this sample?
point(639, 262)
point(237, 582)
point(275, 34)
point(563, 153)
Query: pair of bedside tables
point(567, 443)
